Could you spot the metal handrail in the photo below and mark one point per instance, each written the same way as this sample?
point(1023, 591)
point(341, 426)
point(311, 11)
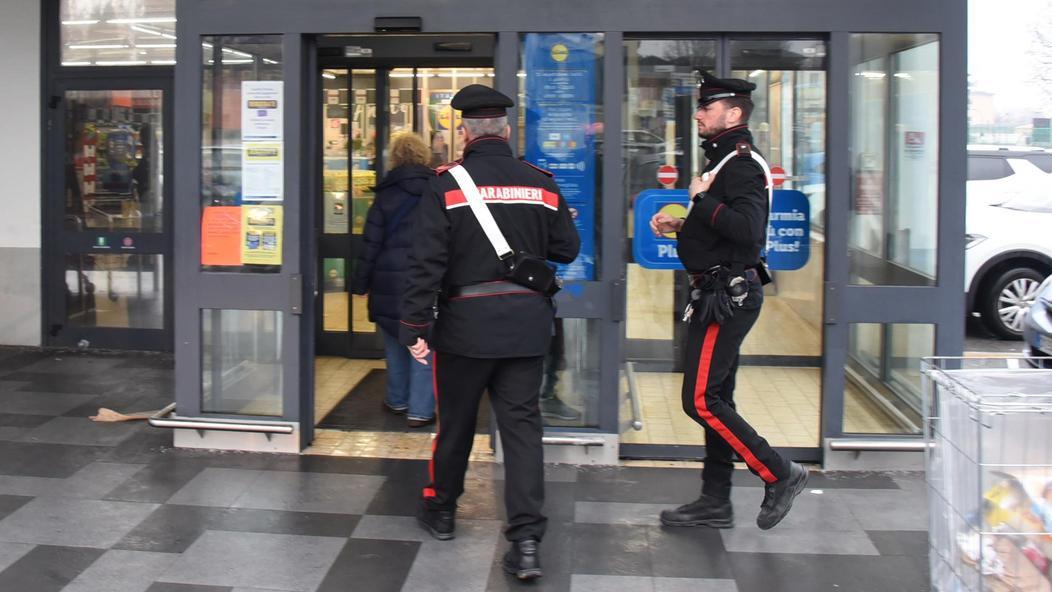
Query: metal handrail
point(633, 396)
point(878, 444)
point(573, 441)
point(161, 419)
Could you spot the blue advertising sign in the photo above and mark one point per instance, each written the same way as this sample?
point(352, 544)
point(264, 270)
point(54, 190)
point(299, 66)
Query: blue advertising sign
point(657, 252)
point(788, 231)
point(560, 128)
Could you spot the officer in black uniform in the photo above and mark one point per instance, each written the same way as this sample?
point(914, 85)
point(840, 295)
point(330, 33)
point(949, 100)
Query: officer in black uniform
point(489, 333)
point(719, 243)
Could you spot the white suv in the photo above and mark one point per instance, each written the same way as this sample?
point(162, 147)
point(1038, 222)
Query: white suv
point(1009, 241)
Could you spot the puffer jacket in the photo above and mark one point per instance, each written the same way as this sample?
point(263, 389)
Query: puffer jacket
point(383, 260)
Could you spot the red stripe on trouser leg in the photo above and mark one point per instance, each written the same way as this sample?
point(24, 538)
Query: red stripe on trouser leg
point(700, 388)
point(430, 490)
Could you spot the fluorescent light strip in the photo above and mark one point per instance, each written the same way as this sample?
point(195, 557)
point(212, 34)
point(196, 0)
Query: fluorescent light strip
point(99, 46)
point(269, 61)
point(72, 23)
point(328, 76)
point(150, 31)
point(162, 62)
point(154, 45)
point(124, 63)
point(133, 21)
point(76, 63)
point(237, 53)
point(238, 61)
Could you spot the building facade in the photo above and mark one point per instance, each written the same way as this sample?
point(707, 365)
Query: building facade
point(205, 168)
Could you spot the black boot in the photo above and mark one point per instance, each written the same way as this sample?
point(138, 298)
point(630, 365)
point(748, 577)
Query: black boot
point(778, 497)
point(704, 511)
point(440, 523)
point(523, 560)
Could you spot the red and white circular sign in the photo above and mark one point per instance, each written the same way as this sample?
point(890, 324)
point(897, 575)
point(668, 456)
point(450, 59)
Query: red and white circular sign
point(667, 174)
point(778, 176)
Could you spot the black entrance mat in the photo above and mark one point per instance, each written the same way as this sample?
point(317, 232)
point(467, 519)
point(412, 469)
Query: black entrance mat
point(362, 409)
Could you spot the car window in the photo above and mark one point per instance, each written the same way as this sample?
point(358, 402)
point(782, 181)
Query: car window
point(986, 168)
point(1041, 161)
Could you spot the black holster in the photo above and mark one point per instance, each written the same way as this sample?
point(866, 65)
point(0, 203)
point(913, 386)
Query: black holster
point(533, 272)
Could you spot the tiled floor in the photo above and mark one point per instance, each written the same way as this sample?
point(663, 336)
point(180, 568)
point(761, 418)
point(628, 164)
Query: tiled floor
point(90, 507)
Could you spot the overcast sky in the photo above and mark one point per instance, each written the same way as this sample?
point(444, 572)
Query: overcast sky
point(999, 34)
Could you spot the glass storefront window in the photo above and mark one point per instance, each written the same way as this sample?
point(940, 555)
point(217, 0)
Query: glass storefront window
point(241, 362)
point(106, 33)
point(883, 386)
point(335, 131)
point(242, 154)
point(894, 159)
point(570, 390)
point(114, 160)
point(120, 291)
point(363, 145)
point(561, 129)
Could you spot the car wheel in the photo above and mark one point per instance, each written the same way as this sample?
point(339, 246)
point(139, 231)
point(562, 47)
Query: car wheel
point(1007, 299)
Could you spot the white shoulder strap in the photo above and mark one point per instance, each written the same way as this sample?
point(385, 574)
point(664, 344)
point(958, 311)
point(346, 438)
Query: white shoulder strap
point(482, 213)
point(763, 165)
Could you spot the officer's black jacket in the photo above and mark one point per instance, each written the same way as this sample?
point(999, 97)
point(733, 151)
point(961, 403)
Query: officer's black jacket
point(451, 250)
point(729, 225)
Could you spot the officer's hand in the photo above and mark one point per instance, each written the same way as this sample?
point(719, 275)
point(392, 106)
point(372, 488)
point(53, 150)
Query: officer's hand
point(700, 184)
point(420, 351)
point(662, 223)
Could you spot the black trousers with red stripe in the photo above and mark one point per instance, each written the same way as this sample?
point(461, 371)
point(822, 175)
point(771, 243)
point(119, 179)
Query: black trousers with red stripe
point(514, 386)
point(709, 369)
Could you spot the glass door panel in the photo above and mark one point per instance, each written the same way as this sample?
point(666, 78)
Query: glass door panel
point(780, 372)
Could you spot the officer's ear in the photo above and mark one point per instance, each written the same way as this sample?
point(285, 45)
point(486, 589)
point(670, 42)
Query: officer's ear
point(734, 114)
point(507, 132)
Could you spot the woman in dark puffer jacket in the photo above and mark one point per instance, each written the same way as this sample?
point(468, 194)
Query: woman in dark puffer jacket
point(381, 271)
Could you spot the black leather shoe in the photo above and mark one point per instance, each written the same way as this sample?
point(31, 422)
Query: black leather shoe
point(778, 497)
point(704, 511)
point(523, 560)
point(440, 523)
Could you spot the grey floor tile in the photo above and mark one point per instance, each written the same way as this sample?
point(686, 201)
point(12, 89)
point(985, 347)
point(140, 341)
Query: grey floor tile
point(693, 585)
point(405, 528)
point(215, 487)
point(687, 553)
point(46, 460)
point(12, 552)
point(811, 510)
point(911, 543)
point(888, 509)
point(593, 583)
point(369, 564)
point(553, 472)
point(823, 573)
point(750, 539)
point(460, 565)
point(47, 568)
point(255, 560)
point(21, 420)
point(72, 522)
point(74, 365)
point(310, 492)
point(617, 513)
point(122, 571)
point(611, 549)
point(160, 480)
point(96, 480)
point(41, 403)
point(166, 587)
point(80, 430)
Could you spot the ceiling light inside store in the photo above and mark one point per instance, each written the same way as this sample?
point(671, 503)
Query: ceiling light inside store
point(134, 21)
point(269, 61)
point(904, 75)
point(237, 53)
point(152, 31)
point(73, 23)
point(76, 63)
point(162, 62)
point(237, 61)
point(121, 63)
point(155, 45)
point(755, 73)
point(99, 46)
point(871, 74)
point(328, 75)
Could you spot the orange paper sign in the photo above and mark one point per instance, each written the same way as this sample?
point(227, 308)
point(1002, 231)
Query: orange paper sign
point(221, 235)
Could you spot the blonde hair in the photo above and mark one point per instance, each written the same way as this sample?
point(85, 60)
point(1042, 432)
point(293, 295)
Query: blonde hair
point(409, 148)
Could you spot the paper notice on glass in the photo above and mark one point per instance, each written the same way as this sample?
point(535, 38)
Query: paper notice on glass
point(262, 171)
point(261, 110)
point(261, 229)
point(221, 235)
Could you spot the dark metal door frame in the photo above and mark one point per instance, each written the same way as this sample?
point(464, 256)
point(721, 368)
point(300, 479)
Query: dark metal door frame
point(60, 242)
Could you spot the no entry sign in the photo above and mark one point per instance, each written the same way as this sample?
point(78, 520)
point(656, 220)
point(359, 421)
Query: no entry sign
point(667, 174)
point(778, 176)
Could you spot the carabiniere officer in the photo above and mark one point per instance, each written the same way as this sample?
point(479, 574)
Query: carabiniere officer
point(719, 243)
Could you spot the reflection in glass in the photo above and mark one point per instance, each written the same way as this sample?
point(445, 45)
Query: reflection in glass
point(363, 145)
point(241, 362)
point(227, 182)
point(895, 151)
point(114, 160)
point(883, 390)
point(103, 33)
point(335, 136)
point(569, 392)
point(122, 291)
point(334, 287)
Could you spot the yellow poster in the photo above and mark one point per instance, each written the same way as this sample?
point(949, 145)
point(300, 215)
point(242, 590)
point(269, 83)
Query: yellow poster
point(261, 230)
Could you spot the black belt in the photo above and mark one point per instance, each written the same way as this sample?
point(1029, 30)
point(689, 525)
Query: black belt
point(750, 274)
point(490, 289)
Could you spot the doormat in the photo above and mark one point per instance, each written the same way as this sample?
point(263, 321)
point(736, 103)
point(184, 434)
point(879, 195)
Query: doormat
point(361, 409)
